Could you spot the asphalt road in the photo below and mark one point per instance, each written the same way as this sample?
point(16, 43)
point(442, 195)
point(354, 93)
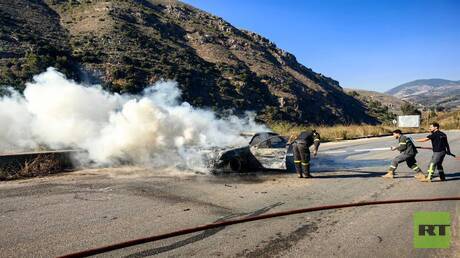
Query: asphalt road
point(65, 213)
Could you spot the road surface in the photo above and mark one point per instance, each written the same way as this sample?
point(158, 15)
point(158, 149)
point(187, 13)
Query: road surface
point(65, 213)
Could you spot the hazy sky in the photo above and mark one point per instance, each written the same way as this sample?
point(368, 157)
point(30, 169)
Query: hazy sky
point(368, 44)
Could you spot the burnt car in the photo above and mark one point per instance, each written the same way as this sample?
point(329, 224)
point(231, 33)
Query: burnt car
point(265, 151)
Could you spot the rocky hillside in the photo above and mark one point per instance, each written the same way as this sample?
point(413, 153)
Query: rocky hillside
point(384, 107)
point(429, 92)
point(127, 45)
point(393, 103)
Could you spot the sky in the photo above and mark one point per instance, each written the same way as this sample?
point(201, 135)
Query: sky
point(364, 44)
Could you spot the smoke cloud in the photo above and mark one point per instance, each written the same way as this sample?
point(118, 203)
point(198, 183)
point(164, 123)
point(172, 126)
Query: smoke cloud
point(154, 128)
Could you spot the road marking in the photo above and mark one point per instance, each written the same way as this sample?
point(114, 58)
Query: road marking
point(357, 150)
point(374, 149)
point(333, 152)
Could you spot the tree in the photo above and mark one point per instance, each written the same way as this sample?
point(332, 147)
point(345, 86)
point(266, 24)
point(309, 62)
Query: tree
point(354, 94)
point(409, 109)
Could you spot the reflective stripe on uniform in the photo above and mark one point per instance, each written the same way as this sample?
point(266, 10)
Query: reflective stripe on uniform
point(316, 140)
point(402, 143)
point(430, 170)
point(297, 161)
point(392, 166)
point(415, 168)
point(303, 163)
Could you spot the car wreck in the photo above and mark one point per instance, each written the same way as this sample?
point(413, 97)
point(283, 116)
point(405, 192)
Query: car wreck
point(265, 151)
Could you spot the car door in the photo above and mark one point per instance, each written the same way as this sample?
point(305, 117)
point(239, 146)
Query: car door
point(271, 152)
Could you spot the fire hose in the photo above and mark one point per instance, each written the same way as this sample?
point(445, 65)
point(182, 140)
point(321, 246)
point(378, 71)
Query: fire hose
point(383, 149)
point(429, 148)
point(181, 232)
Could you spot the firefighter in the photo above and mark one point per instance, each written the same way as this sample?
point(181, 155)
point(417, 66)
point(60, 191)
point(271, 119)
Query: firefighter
point(440, 149)
point(301, 148)
point(407, 151)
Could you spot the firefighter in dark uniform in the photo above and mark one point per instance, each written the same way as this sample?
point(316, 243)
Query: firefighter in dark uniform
point(407, 151)
point(440, 149)
point(301, 148)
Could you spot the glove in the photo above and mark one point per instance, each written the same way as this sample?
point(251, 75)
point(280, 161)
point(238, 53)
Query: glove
point(451, 154)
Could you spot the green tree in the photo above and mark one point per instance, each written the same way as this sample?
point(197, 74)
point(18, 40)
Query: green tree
point(409, 109)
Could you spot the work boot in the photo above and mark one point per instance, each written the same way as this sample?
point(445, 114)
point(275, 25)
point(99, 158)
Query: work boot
point(298, 169)
point(425, 179)
point(308, 175)
point(442, 176)
point(306, 169)
point(389, 174)
point(419, 175)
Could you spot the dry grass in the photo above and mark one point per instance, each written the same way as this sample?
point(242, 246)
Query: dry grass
point(39, 166)
point(447, 121)
point(340, 132)
point(450, 120)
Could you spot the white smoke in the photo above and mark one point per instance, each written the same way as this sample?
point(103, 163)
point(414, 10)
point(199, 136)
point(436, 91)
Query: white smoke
point(153, 128)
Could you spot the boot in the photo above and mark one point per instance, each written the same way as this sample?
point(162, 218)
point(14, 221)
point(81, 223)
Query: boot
point(419, 175)
point(442, 176)
point(306, 169)
point(308, 175)
point(428, 177)
point(425, 179)
point(298, 169)
point(389, 174)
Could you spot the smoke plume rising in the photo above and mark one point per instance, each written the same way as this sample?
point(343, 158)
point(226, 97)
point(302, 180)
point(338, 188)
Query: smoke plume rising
point(154, 128)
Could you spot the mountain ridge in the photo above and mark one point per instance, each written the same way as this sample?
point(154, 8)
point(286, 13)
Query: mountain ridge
point(127, 45)
point(429, 92)
point(436, 82)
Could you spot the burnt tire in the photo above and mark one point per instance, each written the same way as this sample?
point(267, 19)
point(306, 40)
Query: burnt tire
point(235, 165)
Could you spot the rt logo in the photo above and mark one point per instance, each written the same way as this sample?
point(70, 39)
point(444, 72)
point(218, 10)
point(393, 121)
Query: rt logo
point(432, 230)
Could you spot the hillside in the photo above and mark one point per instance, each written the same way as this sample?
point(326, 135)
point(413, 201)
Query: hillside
point(394, 104)
point(429, 92)
point(127, 45)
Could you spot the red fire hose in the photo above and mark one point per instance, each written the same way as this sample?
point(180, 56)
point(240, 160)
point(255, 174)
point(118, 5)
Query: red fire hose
point(181, 232)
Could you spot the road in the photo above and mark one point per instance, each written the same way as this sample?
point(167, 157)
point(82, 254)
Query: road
point(65, 213)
